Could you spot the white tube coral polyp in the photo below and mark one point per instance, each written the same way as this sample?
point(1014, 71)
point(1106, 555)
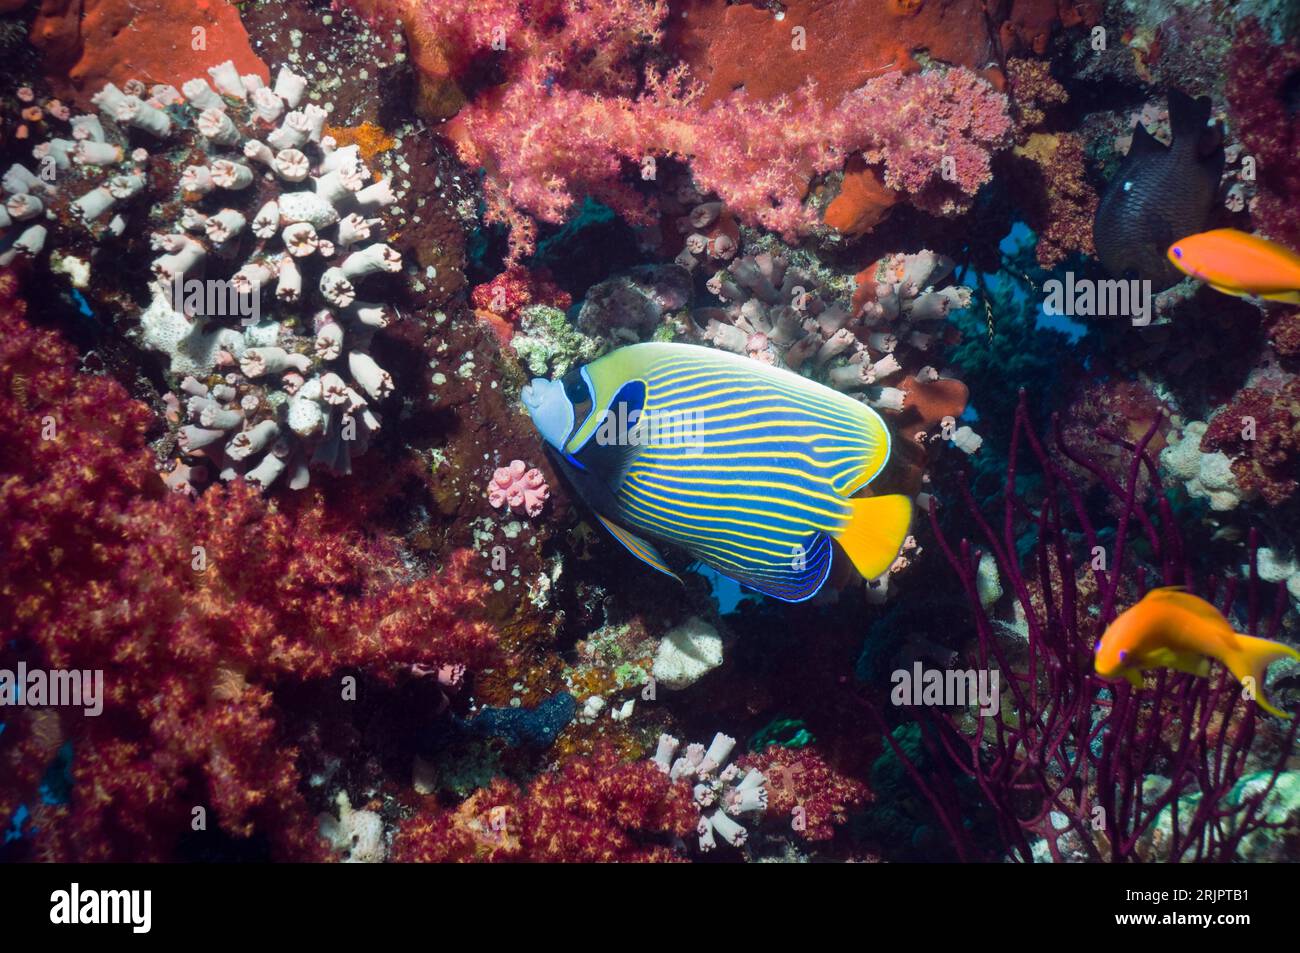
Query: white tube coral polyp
point(259, 361)
point(730, 831)
point(225, 225)
point(377, 196)
point(90, 152)
point(220, 418)
point(329, 341)
point(108, 99)
point(93, 204)
point(291, 165)
point(136, 112)
point(353, 228)
point(890, 398)
point(197, 180)
point(887, 366)
point(267, 221)
point(249, 279)
point(259, 151)
point(169, 267)
point(267, 471)
point(300, 239)
point(24, 205)
point(348, 156)
point(19, 178)
point(196, 438)
point(124, 187)
point(374, 380)
point(289, 86)
point(316, 117)
point(333, 389)
point(231, 175)
point(338, 184)
point(370, 314)
point(251, 441)
point(201, 95)
point(267, 105)
point(28, 245)
point(288, 287)
point(664, 752)
point(373, 259)
point(226, 78)
point(719, 751)
point(192, 220)
point(336, 289)
point(293, 132)
point(217, 127)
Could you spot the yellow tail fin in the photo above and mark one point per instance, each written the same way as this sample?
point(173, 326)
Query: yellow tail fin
point(1252, 659)
point(1290, 297)
point(875, 532)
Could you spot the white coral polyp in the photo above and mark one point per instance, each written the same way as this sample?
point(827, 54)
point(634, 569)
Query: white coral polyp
point(231, 175)
point(300, 239)
point(284, 398)
point(291, 165)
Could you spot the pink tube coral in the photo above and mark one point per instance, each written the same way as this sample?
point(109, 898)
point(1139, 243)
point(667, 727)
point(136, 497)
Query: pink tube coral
point(517, 487)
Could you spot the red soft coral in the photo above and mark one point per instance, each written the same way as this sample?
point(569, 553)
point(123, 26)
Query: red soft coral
point(197, 613)
point(595, 809)
point(1258, 74)
point(806, 791)
point(1260, 431)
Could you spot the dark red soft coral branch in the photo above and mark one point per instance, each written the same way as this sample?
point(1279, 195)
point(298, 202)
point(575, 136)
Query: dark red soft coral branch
point(1260, 73)
point(198, 613)
point(1069, 756)
point(591, 809)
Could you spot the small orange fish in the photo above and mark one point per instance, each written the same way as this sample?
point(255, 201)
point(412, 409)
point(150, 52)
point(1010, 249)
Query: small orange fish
point(1240, 264)
point(1173, 629)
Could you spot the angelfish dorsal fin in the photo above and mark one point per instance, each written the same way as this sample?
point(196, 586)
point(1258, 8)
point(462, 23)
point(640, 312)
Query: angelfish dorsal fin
point(638, 547)
point(1144, 143)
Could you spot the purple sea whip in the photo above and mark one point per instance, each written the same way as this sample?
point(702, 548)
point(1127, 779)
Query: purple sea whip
point(1070, 758)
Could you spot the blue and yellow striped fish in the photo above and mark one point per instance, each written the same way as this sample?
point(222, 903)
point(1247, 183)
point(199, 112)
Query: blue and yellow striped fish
point(747, 467)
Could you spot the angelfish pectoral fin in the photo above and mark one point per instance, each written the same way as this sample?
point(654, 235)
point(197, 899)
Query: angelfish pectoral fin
point(1134, 678)
point(638, 547)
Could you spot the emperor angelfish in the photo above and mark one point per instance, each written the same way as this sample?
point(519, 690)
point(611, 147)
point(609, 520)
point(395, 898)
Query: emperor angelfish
point(1160, 194)
point(747, 467)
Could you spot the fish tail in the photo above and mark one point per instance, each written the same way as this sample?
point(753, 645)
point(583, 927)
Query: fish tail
point(1252, 658)
point(875, 532)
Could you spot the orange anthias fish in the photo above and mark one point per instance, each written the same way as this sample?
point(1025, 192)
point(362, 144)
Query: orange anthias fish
point(1170, 628)
point(1240, 264)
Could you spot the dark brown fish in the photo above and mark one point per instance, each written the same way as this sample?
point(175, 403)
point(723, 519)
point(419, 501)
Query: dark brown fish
point(1160, 194)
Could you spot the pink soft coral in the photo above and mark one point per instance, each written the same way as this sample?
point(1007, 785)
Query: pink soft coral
point(518, 487)
point(932, 133)
point(576, 117)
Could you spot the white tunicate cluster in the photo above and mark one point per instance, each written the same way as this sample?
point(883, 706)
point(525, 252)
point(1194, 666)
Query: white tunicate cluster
point(1206, 475)
point(79, 185)
point(687, 653)
point(256, 292)
point(777, 314)
point(722, 791)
